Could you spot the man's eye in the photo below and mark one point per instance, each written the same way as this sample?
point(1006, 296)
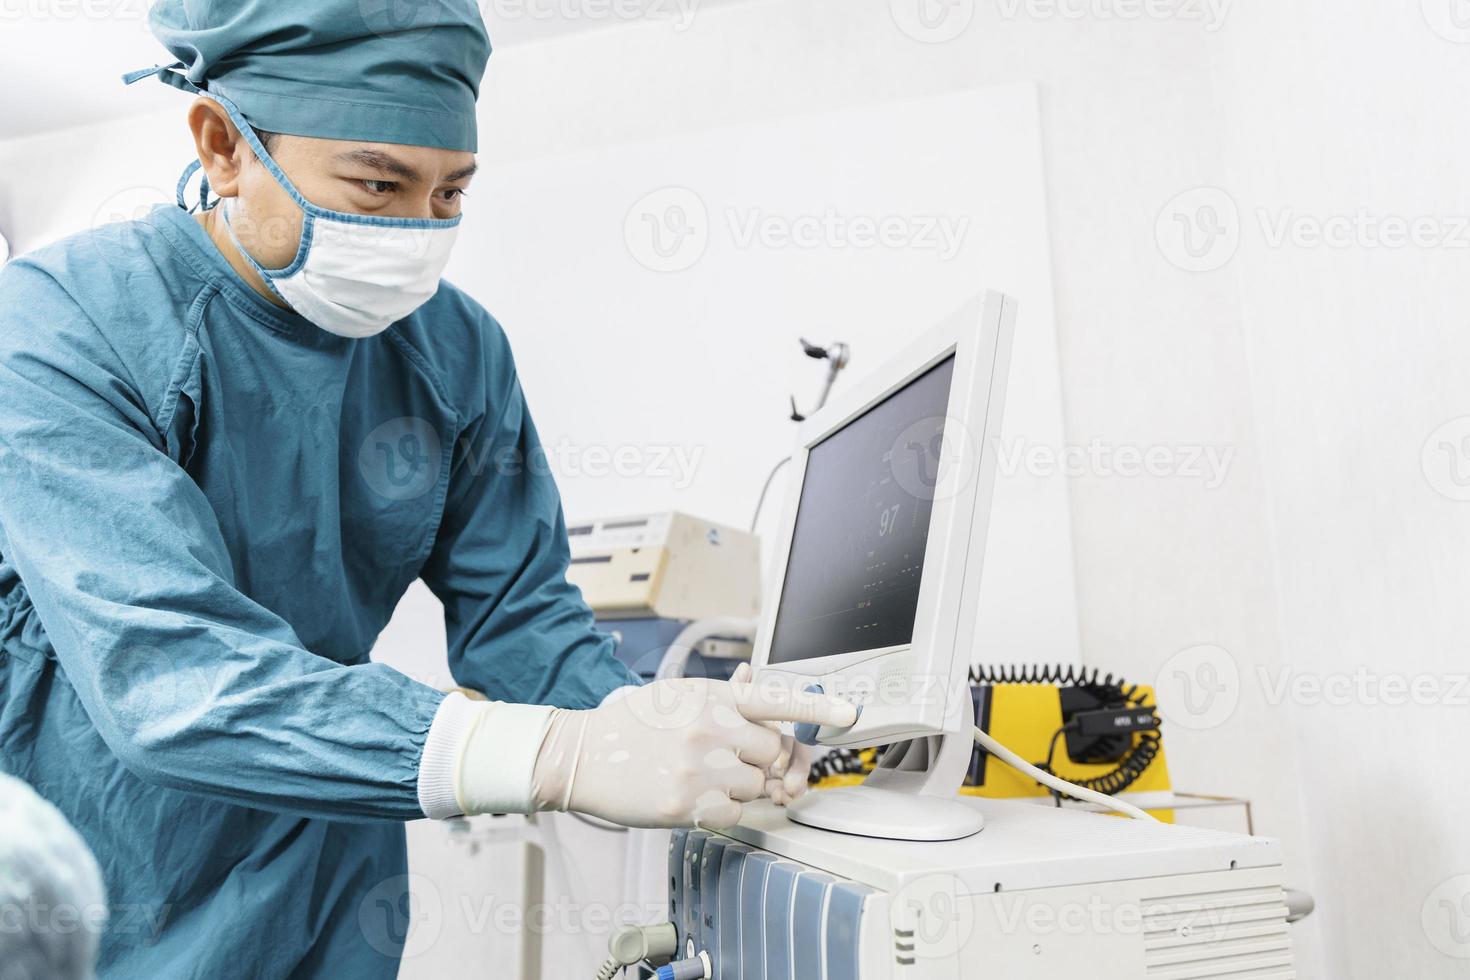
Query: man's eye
point(452, 193)
point(378, 186)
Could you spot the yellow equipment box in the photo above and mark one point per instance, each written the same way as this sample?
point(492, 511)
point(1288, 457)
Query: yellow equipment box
point(1095, 731)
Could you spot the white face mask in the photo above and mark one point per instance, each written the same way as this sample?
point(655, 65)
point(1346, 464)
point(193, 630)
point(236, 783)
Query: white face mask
point(354, 275)
point(356, 279)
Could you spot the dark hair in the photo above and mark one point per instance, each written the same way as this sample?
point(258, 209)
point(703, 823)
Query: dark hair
point(267, 140)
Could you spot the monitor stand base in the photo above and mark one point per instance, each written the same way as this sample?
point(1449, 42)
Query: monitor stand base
point(871, 811)
point(913, 792)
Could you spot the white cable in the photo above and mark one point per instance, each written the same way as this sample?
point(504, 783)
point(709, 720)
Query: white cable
point(1060, 785)
point(676, 657)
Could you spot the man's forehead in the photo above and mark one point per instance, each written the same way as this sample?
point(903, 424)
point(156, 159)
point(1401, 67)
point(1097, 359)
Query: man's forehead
point(410, 163)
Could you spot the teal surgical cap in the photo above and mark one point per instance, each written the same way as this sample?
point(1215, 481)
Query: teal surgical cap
point(380, 71)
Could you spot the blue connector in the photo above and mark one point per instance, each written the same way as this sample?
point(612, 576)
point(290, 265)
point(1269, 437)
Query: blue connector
point(695, 968)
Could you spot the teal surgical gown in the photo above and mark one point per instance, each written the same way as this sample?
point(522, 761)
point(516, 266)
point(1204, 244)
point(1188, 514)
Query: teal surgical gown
point(208, 511)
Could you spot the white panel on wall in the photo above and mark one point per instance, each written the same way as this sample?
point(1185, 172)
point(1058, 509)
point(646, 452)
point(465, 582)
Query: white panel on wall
point(655, 293)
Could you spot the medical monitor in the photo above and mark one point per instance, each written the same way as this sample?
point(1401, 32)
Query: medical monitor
point(856, 559)
point(881, 549)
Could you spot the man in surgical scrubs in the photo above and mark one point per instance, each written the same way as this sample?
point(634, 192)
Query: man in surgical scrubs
point(229, 442)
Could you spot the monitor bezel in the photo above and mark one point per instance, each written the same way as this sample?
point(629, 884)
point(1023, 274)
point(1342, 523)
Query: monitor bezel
point(978, 337)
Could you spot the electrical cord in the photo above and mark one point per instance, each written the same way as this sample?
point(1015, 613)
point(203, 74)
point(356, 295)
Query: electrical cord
point(1109, 691)
point(1056, 783)
point(636, 944)
point(1097, 790)
point(1126, 773)
point(760, 502)
point(676, 658)
point(1062, 675)
point(846, 761)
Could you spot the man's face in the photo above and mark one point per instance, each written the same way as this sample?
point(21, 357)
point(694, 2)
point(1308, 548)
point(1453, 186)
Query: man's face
point(380, 179)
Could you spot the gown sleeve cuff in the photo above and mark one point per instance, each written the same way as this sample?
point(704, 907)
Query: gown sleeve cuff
point(447, 735)
point(480, 757)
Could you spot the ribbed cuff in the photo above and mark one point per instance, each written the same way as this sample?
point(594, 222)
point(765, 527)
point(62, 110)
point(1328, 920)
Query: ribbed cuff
point(448, 733)
point(480, 757)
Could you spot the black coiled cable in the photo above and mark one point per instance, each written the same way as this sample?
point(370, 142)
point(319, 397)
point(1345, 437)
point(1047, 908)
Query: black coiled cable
point(1125, 774)
point(837, 762)
point(1107, 690)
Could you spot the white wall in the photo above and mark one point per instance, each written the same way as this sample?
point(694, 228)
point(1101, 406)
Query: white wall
point(1357, 361)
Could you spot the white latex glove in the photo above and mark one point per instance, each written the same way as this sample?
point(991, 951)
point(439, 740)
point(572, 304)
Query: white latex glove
point(786, 778)
point(679, 752)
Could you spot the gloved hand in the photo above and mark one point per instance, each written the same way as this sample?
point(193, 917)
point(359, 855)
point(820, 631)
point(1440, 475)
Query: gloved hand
point(680, 752)
point(786, 778)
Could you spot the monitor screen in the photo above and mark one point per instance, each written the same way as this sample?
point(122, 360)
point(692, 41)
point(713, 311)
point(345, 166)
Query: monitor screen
point(862, 524)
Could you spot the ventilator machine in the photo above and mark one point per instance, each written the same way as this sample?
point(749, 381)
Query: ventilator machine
point(901, 876)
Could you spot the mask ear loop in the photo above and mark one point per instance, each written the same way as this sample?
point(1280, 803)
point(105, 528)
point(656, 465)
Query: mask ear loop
point(203, 203)
point(173, 75)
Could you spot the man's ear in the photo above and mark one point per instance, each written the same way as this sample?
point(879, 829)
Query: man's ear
point(219, 145)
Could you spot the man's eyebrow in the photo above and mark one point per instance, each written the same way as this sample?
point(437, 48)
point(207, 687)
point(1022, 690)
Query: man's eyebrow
point(379, 160)
point(464, 172)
